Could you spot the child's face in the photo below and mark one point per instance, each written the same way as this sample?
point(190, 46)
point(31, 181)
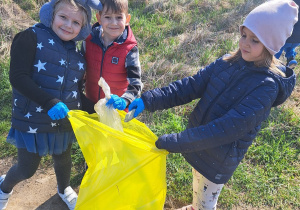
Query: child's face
point(113, 24)
point(67, 22)
point(251, 48)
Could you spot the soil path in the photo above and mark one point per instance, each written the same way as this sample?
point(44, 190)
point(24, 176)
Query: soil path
point(39, 192)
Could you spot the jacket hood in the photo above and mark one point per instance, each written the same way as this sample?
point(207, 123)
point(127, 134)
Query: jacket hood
point(285, 84)
point(47, 12)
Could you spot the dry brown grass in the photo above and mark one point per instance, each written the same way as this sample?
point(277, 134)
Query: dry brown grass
point(12, 20)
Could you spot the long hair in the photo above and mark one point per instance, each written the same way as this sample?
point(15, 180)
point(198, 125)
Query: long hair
point(267, 60)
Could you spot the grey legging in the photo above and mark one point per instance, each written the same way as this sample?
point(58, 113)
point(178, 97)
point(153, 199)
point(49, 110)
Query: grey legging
point(28, 164)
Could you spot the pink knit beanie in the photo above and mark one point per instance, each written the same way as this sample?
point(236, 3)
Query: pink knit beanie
point(272, 22)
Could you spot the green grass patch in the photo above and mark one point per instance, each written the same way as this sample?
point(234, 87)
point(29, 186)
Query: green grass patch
point(269, 174)
point(5, 110)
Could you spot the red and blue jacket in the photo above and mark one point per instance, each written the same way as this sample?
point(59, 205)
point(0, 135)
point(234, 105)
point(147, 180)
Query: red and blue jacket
point(111, 63)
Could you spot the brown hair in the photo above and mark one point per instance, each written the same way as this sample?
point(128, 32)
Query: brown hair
point(268, 61)
point(75, 5)
point(116, 6)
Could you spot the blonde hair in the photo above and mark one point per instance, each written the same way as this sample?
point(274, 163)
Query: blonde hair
point(116, 6)
point(267, 60)
point(75, 5)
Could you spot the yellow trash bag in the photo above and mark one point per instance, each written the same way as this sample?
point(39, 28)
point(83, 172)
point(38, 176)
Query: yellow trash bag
point(125, 169)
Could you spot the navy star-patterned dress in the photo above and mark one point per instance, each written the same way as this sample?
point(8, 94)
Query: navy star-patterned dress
point(44, 71)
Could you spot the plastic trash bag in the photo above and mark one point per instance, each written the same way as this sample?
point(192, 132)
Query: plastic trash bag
point(107, 115)
point(125, 169)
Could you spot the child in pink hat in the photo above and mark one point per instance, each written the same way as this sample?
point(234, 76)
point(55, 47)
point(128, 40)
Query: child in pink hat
point(235, 95)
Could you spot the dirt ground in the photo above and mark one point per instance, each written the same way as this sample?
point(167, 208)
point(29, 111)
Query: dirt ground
point(39, 192)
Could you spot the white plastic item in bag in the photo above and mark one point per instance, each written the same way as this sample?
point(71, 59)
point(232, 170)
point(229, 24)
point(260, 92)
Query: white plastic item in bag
point(107, 115)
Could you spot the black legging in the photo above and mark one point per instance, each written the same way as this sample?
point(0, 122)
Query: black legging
point(28, 164)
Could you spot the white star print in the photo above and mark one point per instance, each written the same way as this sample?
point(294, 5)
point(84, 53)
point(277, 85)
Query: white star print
point(74, 94)
point(39, 109)
point(60, 79)
point(80, 65)
point(53, 124)
point(15, 102)
point(78, 105)
point(31, 130)
point(40, 45)
point(40, 66)
point(51, 41)
point(62, 62)
point(28, 115)
point(75, 80)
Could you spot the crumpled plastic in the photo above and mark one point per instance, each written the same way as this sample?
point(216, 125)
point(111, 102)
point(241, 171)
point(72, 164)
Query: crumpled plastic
point(107, 114)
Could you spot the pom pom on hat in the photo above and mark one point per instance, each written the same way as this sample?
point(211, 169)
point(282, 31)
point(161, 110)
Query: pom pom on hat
point(46, 15)
point(272, 22)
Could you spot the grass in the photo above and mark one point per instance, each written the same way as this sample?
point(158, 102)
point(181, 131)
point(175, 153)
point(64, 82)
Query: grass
point(270, 171)
point(176, 38)
point(5, 111)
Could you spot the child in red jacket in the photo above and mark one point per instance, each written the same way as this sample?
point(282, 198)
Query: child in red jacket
point(235, 95)
point(111, 52)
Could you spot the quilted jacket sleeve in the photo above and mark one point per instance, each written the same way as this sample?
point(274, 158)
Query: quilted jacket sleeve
point(179, 92)
point(235, 124)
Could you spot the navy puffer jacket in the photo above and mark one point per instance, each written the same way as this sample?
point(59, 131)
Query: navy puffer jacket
point(235, 99)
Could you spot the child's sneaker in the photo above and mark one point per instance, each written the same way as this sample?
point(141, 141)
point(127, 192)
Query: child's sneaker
point(3, 196)
point(69, 197)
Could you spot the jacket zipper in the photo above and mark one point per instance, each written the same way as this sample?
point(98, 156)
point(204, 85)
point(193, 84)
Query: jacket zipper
point(26, 106)
point(63, 85)
point(101, 66)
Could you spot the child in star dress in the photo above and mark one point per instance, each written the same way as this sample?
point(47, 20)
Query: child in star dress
point(236, 94)
point(45, 75)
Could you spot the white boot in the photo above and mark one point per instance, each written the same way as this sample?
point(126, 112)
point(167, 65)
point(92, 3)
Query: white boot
point(4, 196)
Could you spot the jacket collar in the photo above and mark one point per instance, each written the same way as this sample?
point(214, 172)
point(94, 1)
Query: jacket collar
point(97, 33)
point(69, 45)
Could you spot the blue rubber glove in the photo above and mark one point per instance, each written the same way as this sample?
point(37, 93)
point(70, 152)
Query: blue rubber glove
point(58, 111)
point(118, 102)
point(137, 104)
